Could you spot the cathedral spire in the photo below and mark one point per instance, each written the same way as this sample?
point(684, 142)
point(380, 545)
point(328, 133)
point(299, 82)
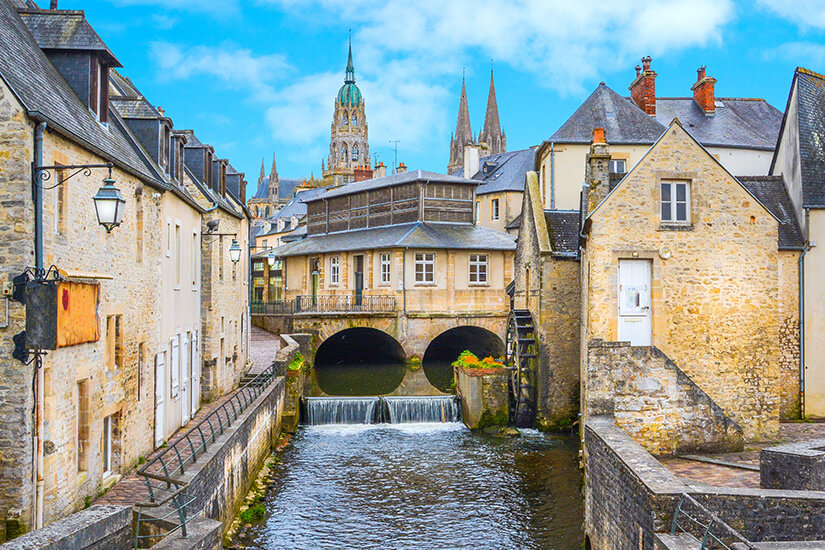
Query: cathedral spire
point(463, 131)
point(350, 78)
point(491, 133)
point(273, 172)
point(263, 173)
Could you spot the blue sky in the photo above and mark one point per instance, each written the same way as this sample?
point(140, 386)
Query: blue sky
point(257, 77)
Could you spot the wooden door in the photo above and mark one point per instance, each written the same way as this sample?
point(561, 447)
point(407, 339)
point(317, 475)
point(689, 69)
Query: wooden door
point(634, 302)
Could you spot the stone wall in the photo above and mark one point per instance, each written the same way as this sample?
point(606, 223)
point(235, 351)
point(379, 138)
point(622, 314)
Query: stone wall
point(654, 401)
point(789, 352)
point(101, 527)
point(716, 314)
point(485, 397)
point(276, 324)
point(799, 466)
point(630, 496)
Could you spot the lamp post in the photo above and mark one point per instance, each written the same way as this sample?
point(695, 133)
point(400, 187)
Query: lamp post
point(235, 251)
point(270, 259)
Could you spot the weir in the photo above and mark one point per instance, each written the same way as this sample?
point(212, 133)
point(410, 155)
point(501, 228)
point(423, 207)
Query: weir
point(381, 410)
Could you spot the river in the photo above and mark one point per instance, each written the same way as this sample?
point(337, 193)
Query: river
point(421, 486)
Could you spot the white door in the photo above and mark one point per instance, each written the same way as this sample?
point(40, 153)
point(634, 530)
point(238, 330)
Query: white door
point(634, 302)
point(195, 385)
point(186, 363)
point(160, 386)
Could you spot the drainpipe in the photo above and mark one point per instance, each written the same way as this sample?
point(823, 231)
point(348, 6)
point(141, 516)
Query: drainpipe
point(801, 270)
point(552, 175)
point(37, 382)
point(404, 277)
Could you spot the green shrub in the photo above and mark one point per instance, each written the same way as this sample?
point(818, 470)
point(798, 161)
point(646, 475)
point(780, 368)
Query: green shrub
point(254, 514)
point(297, 362)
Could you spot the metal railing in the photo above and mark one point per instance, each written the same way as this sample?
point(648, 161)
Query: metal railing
point(274, 307)
point(692, 525)
point(344, 303)
point(161, 472)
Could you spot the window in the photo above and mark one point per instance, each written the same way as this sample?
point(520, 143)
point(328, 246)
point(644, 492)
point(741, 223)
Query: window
point(618, 166)
point(263, 244)
point(107, 445)
point(165, 142)
point(139, 223)
point(675, 202)
point(478, 210)
point(168, 237)
point(99, 90)
point(114, 342)
point(83, 425)
point(178, 254)
point(495, 209)
point(355, 152)
point(355, 120)
point(141, 362)
point(385, 269)
point(425, 268)
point(195, 264)
point(344, 152)
point(334, 273)
point(174, 366)
point(478, 268)
point(60, 204)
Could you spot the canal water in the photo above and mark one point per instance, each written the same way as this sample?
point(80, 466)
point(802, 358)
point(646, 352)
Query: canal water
point(421, 486)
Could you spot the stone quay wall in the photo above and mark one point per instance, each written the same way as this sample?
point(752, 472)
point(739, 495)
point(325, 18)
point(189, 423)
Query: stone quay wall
point(654, 401)
point(799, 466)
point(101, 527)
point(485, 398)
point(630, 497)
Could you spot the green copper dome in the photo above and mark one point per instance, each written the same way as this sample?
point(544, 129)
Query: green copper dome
point(349, 95)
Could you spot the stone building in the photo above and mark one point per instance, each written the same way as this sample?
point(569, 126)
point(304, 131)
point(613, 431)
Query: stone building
point(490, 141)
point(739, 132)
point(799, 160)
point(349, 145)
point(127, 297)
point(272, 192)
point(646, 277)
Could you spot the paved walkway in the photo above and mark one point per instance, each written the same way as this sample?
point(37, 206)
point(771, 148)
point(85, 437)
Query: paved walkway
point(131, 488)
point(725, 476)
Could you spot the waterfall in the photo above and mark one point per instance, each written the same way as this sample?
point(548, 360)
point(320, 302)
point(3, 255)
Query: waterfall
point(341, 410)
point(404, 410)
point(377, 410)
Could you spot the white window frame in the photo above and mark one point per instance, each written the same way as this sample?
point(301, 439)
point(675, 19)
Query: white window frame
point(174, 366)
point(478, 210)
point(481, 264)
point(670, 207)
point(495, 211)
point(334, 270)
point(386, 269)
point(614, 163)
point(177, 268)
point(424, 260)
point(196, 272)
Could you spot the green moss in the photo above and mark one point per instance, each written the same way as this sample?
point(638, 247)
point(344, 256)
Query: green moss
point(87, 502)
point(254, 513)
point(141, 459)
point(297, 362)
point(15, 528)
point(498, 418)
point(557, 424)
point(414, 363)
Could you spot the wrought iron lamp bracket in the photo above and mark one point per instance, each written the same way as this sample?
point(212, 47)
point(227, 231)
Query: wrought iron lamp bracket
point(44, 173)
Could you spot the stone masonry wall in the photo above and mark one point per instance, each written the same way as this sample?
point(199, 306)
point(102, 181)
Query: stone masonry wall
point(654, 402)
point(715, 282)
point(484, 396)
point(789, 405)
point(101, 527)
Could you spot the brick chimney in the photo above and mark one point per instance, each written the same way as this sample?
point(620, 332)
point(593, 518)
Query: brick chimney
point(643, 88)
point(242, 189)
point(597, 170)
point(363, 173)
point(703, 93)
point(380, 170)
point(401, 168)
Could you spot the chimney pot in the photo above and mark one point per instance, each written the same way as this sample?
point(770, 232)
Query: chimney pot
point(598, 135)
point(53, 5)
point(700, 73)
point(643, 88)
point(638, 70)
point(703, 92)
point(646, 63)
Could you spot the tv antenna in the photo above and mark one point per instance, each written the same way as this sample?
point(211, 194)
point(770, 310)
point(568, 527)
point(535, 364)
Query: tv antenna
point(395, 143)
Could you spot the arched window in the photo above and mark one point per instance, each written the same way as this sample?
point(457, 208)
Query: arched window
point(344, 118)
point(344, 152)
point(355, 120)
point(355, 152)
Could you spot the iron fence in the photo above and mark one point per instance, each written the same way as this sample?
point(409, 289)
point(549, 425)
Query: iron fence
point(701, 522)
point(160, 474)
point(344, 303)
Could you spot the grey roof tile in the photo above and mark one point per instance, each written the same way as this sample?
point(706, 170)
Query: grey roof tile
point(414, 235)
point(563, 227)
point(395, 179)
point(504, 171)
point(297, 205)
point(772, 192)
point(65, 30)
point(811, 128)
point(129, 107)
point(622, 120)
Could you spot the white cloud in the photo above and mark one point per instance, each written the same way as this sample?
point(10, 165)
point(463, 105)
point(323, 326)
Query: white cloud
point(808, 54)
point(805, 13)
point(213, 7)
point(237, 67)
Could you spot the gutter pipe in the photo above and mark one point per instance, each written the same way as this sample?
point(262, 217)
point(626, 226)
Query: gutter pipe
point(801, 271)
point(37, 382)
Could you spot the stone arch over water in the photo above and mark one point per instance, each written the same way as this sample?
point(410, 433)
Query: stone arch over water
point(446, 347)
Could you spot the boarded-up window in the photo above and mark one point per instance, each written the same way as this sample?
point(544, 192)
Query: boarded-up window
point(114, 341)
point(83, 403)
point(77, 321)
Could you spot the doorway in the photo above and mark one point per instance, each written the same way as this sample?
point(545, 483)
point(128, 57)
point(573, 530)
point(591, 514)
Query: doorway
point(634, 302)
point(359, 279)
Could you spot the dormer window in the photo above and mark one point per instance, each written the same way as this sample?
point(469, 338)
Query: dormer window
point(99, 90)
point(165, 144)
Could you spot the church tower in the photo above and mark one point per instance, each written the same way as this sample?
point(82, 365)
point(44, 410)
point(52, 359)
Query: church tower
point(349, 144)
point(274, 182)
point(463, 134)
point(492, 134)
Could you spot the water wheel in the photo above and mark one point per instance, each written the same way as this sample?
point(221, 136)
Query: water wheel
point(521, 355)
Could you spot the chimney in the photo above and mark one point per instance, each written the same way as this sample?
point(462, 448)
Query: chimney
point(53, 5)
point(380, 170)
point(643, 88)
point(472, 159)
point(597, 170)
point(703, 93)
point(363, 173)
point(401, 168)
point(242, 187)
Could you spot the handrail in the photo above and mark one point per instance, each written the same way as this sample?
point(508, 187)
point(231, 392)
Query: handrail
point(345, 303)
point(707, 536)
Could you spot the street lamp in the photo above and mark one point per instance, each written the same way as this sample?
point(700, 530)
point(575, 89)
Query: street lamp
point(235, 251)
point(271, 259)
point(109, 204)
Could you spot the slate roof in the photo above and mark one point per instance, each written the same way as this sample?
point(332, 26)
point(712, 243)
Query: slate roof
point(503, 172)
point(622, 120)
point(47, 96)
point(772, 192)
point(747, 123)
point(810, 96)
point(286, 188)
point(563, 227)
point(394, 179)
point(297, 206)
point(413, 235)
point(131, 107)
point(65, 30)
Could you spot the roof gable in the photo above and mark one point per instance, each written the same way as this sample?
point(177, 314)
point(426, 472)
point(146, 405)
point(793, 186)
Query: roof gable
point(810, 97)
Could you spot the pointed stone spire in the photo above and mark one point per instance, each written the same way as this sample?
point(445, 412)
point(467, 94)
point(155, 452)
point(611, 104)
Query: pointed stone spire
point(273, 172)
point(491, 134)
point(350, 78)
point(262, 177)
point(274, 183)
point(463, 131)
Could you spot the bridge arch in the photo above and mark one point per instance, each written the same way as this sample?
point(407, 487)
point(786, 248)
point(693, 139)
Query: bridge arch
point(446, 347)
point(359, 345)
